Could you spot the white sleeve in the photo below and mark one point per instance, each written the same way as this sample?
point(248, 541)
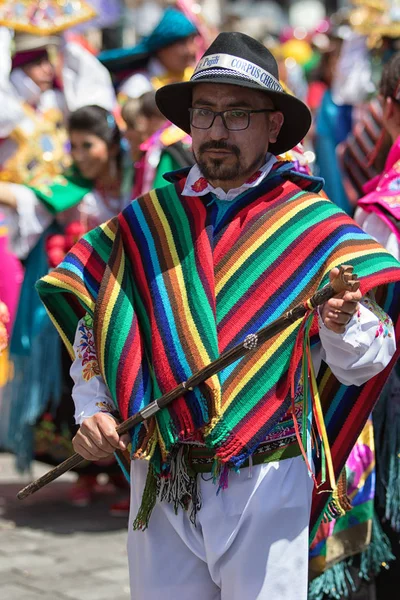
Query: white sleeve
point(86, 80)
point(136, 85)
point(27, 222)
point(90, 393)
point(363, 350)
point(377, 228)
point(11, 112)
point(352, 82)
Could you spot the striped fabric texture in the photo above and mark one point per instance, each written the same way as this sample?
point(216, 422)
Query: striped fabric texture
point(362, 155)
point(170, 287)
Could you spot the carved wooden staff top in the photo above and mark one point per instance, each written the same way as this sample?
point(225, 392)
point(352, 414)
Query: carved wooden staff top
point(345, 280)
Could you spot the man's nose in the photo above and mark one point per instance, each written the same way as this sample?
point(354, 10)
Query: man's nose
point(218, 131)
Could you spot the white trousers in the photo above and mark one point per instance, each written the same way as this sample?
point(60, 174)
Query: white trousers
point(250, 541)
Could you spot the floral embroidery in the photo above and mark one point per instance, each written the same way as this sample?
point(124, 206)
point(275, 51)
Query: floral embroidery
point(200, 185)
point(285, 429)
point(87, 319)
point(105, 407)
point(394, 185)
point(87, 353)
point(385, 325)
point(392, 201)
point(382, 330)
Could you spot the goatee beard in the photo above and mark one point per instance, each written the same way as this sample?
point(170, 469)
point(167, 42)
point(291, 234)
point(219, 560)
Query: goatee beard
point(214, 169)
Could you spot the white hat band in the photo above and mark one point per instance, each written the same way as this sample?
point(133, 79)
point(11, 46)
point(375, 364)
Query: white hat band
point(238, 66)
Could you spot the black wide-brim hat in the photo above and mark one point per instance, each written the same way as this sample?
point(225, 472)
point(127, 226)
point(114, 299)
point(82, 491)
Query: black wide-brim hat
point(237, 59)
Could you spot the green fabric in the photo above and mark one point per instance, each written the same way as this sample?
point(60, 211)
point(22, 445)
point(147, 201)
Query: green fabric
point(63, 191)
point(167, 164)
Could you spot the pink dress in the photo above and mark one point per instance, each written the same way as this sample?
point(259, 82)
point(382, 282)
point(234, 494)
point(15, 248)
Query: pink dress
point(383, 192)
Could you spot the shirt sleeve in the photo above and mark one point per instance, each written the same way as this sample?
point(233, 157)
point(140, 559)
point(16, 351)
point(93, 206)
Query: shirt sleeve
point(82, 72)
point(27, 222)
point(11, 113)
point(90, 393)
point(363, 350)
point(135, 86)
point(379, 230)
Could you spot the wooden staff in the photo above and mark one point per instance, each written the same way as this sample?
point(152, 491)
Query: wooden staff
point(345, 280)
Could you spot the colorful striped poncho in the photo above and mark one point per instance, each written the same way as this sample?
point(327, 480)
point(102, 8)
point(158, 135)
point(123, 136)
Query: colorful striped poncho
point(171, 283)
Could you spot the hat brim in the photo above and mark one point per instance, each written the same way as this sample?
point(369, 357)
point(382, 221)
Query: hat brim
point(175, 99)
point(36, 42)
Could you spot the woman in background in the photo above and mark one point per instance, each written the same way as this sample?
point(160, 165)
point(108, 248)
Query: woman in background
point(45, 222)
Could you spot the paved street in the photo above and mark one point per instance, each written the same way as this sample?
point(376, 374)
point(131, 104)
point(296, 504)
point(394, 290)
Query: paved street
point(50, 550)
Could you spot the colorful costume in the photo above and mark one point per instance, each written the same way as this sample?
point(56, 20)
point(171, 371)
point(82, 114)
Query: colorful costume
point(43, 215)
point(142, 312)
point(183, 274)
point(333, 123)
point(34, 149)
point(379, 213)
point(359, 160)
point(137, 70)
point(33, 138)
point(372, 468)
point(169, 149)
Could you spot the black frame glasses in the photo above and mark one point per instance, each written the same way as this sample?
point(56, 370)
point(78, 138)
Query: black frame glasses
point(224, 114)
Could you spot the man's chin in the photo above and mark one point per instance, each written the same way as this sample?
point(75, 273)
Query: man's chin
point(217, 169)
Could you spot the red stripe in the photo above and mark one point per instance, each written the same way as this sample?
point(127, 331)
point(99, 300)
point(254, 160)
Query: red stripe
point(159, 357)
point(264, 288)
point(247, 214)
point(358, 415)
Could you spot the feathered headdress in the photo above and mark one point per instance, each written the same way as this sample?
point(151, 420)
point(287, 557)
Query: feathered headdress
point(44, 17)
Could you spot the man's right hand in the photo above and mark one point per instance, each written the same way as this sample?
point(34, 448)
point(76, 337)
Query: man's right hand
point(97, 437)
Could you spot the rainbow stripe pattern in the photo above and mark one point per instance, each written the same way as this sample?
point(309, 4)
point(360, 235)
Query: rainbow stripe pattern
point(173, 281)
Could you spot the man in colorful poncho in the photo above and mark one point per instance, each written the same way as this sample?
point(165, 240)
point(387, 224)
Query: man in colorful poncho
point(224, 488)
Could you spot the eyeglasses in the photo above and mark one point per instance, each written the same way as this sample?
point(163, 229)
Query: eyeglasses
point(234, 120)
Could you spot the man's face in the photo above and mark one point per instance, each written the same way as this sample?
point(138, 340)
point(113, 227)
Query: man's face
point(228, 158)
point(180, 55)
point(41, 72)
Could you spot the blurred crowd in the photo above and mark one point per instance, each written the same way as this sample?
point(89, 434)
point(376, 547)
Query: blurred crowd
point(81, 136)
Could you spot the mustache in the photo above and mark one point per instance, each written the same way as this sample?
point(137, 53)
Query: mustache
point(219, 145)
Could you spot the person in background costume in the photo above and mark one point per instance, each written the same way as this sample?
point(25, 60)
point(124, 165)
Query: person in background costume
point(378, 213)
point(45, 221)
point(222, 480)
point(162, 147)
point(361, 563)
point(374, 39)
point(33, 138)
point(167, 55)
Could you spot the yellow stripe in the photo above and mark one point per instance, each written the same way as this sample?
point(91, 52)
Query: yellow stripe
point(264, 357)
point(351, 255)
point(366, 437)
point(108, 231)
point(321, 420)
point(110, 307)
point(324, 380)
point(192, 328)
point(259, 242)
point(62, 335)
point(51, 280)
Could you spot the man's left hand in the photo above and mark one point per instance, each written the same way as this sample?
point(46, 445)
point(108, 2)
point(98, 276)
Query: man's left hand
point(338, 311)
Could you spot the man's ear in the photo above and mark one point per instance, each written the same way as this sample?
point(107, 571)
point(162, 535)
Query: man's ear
point(275, 123)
